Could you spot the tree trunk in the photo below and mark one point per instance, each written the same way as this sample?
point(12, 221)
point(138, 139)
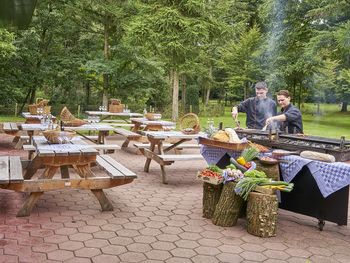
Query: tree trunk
point(294, 90)
point(344, 106)
point(88, 91)
point(183, 97)
point(300, 95)
point(211, 196)
point(271, 170)
point(229, 206)
point(209, 85)
point(262, 214)
point(106, 56)
point(175, 106)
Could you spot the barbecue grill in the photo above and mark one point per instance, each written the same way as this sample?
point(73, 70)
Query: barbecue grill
point(339, 148)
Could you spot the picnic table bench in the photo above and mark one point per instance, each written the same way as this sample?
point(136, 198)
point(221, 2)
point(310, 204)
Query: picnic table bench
point(10, 128)
point(54, 157)
point(129, 136)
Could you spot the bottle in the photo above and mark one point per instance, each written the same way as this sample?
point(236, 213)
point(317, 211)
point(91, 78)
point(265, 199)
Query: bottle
point(61, 126)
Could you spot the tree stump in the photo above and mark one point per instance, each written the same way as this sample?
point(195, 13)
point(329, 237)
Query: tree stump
point(271, 170)
point(211, 196)
point(262, 214)
point(229, 206)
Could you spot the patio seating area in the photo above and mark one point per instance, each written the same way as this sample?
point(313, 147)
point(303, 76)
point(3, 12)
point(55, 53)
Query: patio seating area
point(151, 222)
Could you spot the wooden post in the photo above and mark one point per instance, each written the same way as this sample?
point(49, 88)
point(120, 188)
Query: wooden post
point(262, 214)
point(211, 196)
point(229, 206)
point(78, 110)
point(16, 109)
point(271, 170)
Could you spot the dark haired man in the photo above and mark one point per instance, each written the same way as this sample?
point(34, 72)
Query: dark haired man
point(257, 108)
point(290, 116)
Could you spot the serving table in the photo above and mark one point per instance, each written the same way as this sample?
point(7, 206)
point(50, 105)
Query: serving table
point(321, 190)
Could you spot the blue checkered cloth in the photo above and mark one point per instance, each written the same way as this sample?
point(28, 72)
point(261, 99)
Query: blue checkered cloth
point(330, 177)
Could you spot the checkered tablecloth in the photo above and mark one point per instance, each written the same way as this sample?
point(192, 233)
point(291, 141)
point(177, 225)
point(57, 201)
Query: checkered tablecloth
point(330, 177)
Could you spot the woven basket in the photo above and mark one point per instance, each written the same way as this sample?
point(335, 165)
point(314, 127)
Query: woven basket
point(42, 103)
point(189, 124)
point(115, 101)
point(151, 116)
point(116, 108)
point(61, 137)
point(68, 118)
point(32, 109)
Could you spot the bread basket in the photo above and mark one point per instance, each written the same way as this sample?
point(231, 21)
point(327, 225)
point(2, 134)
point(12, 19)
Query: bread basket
point(189, 124)
point(151, 116)
point(56, 136)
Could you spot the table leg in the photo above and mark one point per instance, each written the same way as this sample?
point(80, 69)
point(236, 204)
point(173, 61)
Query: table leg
point(125, 143)
point(64, 172)
point(102, 198)
point(29, 203)
point(33, 166)
point(162, 167)
point(148, 161)
point(49, 172)
point(84, 171)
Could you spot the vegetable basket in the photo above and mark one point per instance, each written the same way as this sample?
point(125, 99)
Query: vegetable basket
point(189, 124)
point(215, 180)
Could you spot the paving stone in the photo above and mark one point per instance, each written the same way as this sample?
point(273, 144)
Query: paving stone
point(209, 242)
point(138, 247)
point(204, 259)
point(158, 254)
point(276, 254)
point(249, 255)
point(275, 246)
point(132, 257)
point(320, 251)
point(171, 230)
point(190, 236)
point(104, 234)
point(113, 250)
point(96, 243)
point(230, 249)
point(47, 247)
point(89, 229)
point(105, 259)
point(322, 259)
point(80, 237)
point(167, 237)
point(145, 239)
point(122, 241)
point(252, 247)
point(210, 251)
point(162, 245)
point(186, 244)
point(297, 252)
point(60, 255)
point(178, 260)
point(343, 258)
point(227, 257)
point(87, 252)
point(78, 260)
point(71, 245)
point(183, 252)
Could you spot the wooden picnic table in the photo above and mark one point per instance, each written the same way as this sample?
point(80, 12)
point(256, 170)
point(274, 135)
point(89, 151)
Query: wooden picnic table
point(157, 152)
point(102, 130)
point(34, 118)
point(53, 157)
point(143, 124)
point(125, 116)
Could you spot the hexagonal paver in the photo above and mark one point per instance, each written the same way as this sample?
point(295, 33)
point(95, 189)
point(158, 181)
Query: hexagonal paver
point(210, 251)
point(186, 244)
point(122, 241)
point(183, 252)
point(276, 254)
point(206, 259)
point(127, 233)
point(88, 229)
point(105, 259)
point(104, 234)
point(97, 243)
point(139, 247)
point(254, 256)
point(113, 249)
point(162, 245)
point(227, 257)
point(252, 247)
point(71, 245)
point(46, 247)
point(171, 230)
point(87, 252)
point(158, 254)
point(297, 252)
point(167, 237)
point(80, 237)
point(132, 257)
point(209, 242)
point(145, 239)
point(60, 255)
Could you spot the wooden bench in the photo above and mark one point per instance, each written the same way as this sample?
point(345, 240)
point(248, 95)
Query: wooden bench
point(11, 177)
point(142, 146)
point(129, 136)
point(10, 128)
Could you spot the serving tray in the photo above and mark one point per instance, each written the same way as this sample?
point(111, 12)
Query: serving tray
point(224, 145)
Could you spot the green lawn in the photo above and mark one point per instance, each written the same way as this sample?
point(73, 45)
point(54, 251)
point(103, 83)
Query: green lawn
point(331, 123)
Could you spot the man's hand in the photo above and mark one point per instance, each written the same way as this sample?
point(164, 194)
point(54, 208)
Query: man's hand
point(268, 121)
point(234, 112)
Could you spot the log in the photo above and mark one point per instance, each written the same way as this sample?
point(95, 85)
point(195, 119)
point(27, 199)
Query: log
point(262, 214)
point(211, 196)
point(271, 170)
point(229, 206)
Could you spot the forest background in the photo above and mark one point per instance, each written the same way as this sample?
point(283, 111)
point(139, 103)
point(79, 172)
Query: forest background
point(176, 55)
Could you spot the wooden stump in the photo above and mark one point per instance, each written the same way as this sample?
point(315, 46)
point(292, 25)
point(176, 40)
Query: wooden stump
point(262, 214)
point(271, 170)
point(229, 206)
point(211, 196)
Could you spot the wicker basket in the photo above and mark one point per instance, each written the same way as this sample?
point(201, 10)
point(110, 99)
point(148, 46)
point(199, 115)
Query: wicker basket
point(116, 108)
point(151, 116)
point(42, 103)
point(115, 101)
point(56, 136)
point(189, 124)
point(33, 109)
point(68, 118)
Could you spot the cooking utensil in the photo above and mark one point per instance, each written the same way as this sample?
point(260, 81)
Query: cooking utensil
point(238, 123)
point(264, 128)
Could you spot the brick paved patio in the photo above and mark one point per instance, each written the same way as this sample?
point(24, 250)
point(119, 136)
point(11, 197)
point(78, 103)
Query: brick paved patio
point(152, 222)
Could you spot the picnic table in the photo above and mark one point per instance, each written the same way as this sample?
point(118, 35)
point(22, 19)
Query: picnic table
point(158, 153)
point(125, 116)
point(101, 129)
point(53, 157)
point(34, 118)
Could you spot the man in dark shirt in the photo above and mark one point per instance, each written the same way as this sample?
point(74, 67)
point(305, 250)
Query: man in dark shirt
point(290, 117)
point(258, 108)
